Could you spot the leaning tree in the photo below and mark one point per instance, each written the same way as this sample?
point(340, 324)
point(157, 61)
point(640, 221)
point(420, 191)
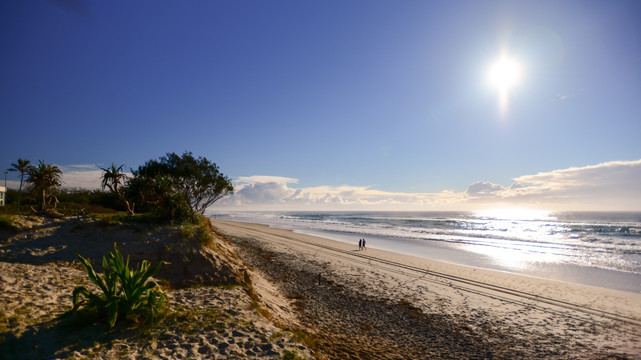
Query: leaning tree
point(114, 179)
point(22, 166)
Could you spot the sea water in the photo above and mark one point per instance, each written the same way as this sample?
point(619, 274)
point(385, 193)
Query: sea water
point(593, 248)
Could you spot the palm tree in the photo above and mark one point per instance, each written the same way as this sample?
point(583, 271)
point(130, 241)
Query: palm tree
point(43, 178)
point(23, 166)
point(112, 178)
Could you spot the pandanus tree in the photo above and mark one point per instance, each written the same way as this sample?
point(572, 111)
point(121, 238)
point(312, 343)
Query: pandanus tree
point(42, 179)
point(22, 166)
point(114, 179)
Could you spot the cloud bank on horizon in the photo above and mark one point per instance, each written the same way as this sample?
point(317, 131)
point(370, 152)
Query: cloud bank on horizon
point(610, 186)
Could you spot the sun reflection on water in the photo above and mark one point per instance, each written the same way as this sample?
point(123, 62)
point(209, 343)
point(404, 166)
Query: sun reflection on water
point(519, 233)
point(517, 259)
point(514, 214)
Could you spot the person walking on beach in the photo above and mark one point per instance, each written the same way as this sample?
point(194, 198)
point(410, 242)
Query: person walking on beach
point(360, 244)
point(364, 244)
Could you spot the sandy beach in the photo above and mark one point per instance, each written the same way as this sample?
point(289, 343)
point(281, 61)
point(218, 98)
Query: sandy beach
point(376, 304)
point(304, 297)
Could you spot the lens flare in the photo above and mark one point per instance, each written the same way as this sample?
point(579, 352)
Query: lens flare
point(503, 75)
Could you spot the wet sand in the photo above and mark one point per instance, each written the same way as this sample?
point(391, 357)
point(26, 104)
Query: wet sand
point(376, 304)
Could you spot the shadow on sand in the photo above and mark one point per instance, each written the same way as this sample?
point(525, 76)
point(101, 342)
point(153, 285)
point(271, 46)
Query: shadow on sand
point(63, 337)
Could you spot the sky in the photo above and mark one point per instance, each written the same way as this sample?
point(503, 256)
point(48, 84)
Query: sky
point(335, 105)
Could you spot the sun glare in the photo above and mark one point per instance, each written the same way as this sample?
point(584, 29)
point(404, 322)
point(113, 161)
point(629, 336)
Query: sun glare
point(514, 214)
point(504, 73)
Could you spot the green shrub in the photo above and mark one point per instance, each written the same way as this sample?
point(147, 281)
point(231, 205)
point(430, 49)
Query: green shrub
point(124, 291)
point(6, 222)
point(200, 229)
point(178, 187)
point(291, 355)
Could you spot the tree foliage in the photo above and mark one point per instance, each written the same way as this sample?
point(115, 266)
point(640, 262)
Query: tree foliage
point(114, 179)
point(178, 186)
point(42, 179)
point(22, 166)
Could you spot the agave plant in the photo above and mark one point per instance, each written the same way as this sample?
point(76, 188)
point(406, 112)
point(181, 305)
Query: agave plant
point(124, 290)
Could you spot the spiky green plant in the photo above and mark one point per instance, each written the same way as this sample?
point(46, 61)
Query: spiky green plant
point(124, 290)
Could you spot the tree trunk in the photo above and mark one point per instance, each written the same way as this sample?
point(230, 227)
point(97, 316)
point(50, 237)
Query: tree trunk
point(130, 207)
point(43, 205)
point(20, 190)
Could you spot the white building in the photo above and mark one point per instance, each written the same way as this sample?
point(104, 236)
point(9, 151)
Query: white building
point(3, 192)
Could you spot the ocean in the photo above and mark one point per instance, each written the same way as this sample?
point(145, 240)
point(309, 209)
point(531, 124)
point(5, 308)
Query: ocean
point(592, 248)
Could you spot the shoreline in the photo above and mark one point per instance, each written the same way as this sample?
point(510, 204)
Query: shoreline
point(570, 273)
point(498, 259)
point(304, 295)
point(540, 318)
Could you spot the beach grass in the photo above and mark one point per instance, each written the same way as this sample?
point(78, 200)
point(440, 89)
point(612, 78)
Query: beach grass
point(188, 321)
point(307, 338)
point(224, 314)
point(292, 355)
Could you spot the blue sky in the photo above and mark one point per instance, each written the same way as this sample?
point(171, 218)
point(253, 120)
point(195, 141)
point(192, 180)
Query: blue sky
point(345, 100)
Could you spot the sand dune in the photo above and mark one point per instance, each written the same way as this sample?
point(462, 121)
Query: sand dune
point(38, 275)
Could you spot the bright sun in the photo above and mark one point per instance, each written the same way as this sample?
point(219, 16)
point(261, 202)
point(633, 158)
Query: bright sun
point(504, 73)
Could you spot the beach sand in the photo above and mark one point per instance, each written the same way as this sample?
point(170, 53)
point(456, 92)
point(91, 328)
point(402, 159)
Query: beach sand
point(38, 273)
point(375, 304)
point(310, 296)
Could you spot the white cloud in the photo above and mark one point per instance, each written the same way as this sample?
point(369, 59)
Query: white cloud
point(80, 179)
point(612, 186)
point(266, 179)
point(270, 192)
point(482, 188)
point(560, 97)
point(82, 176)
point(274, 193)
point(79, 167)
point(609, 186)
